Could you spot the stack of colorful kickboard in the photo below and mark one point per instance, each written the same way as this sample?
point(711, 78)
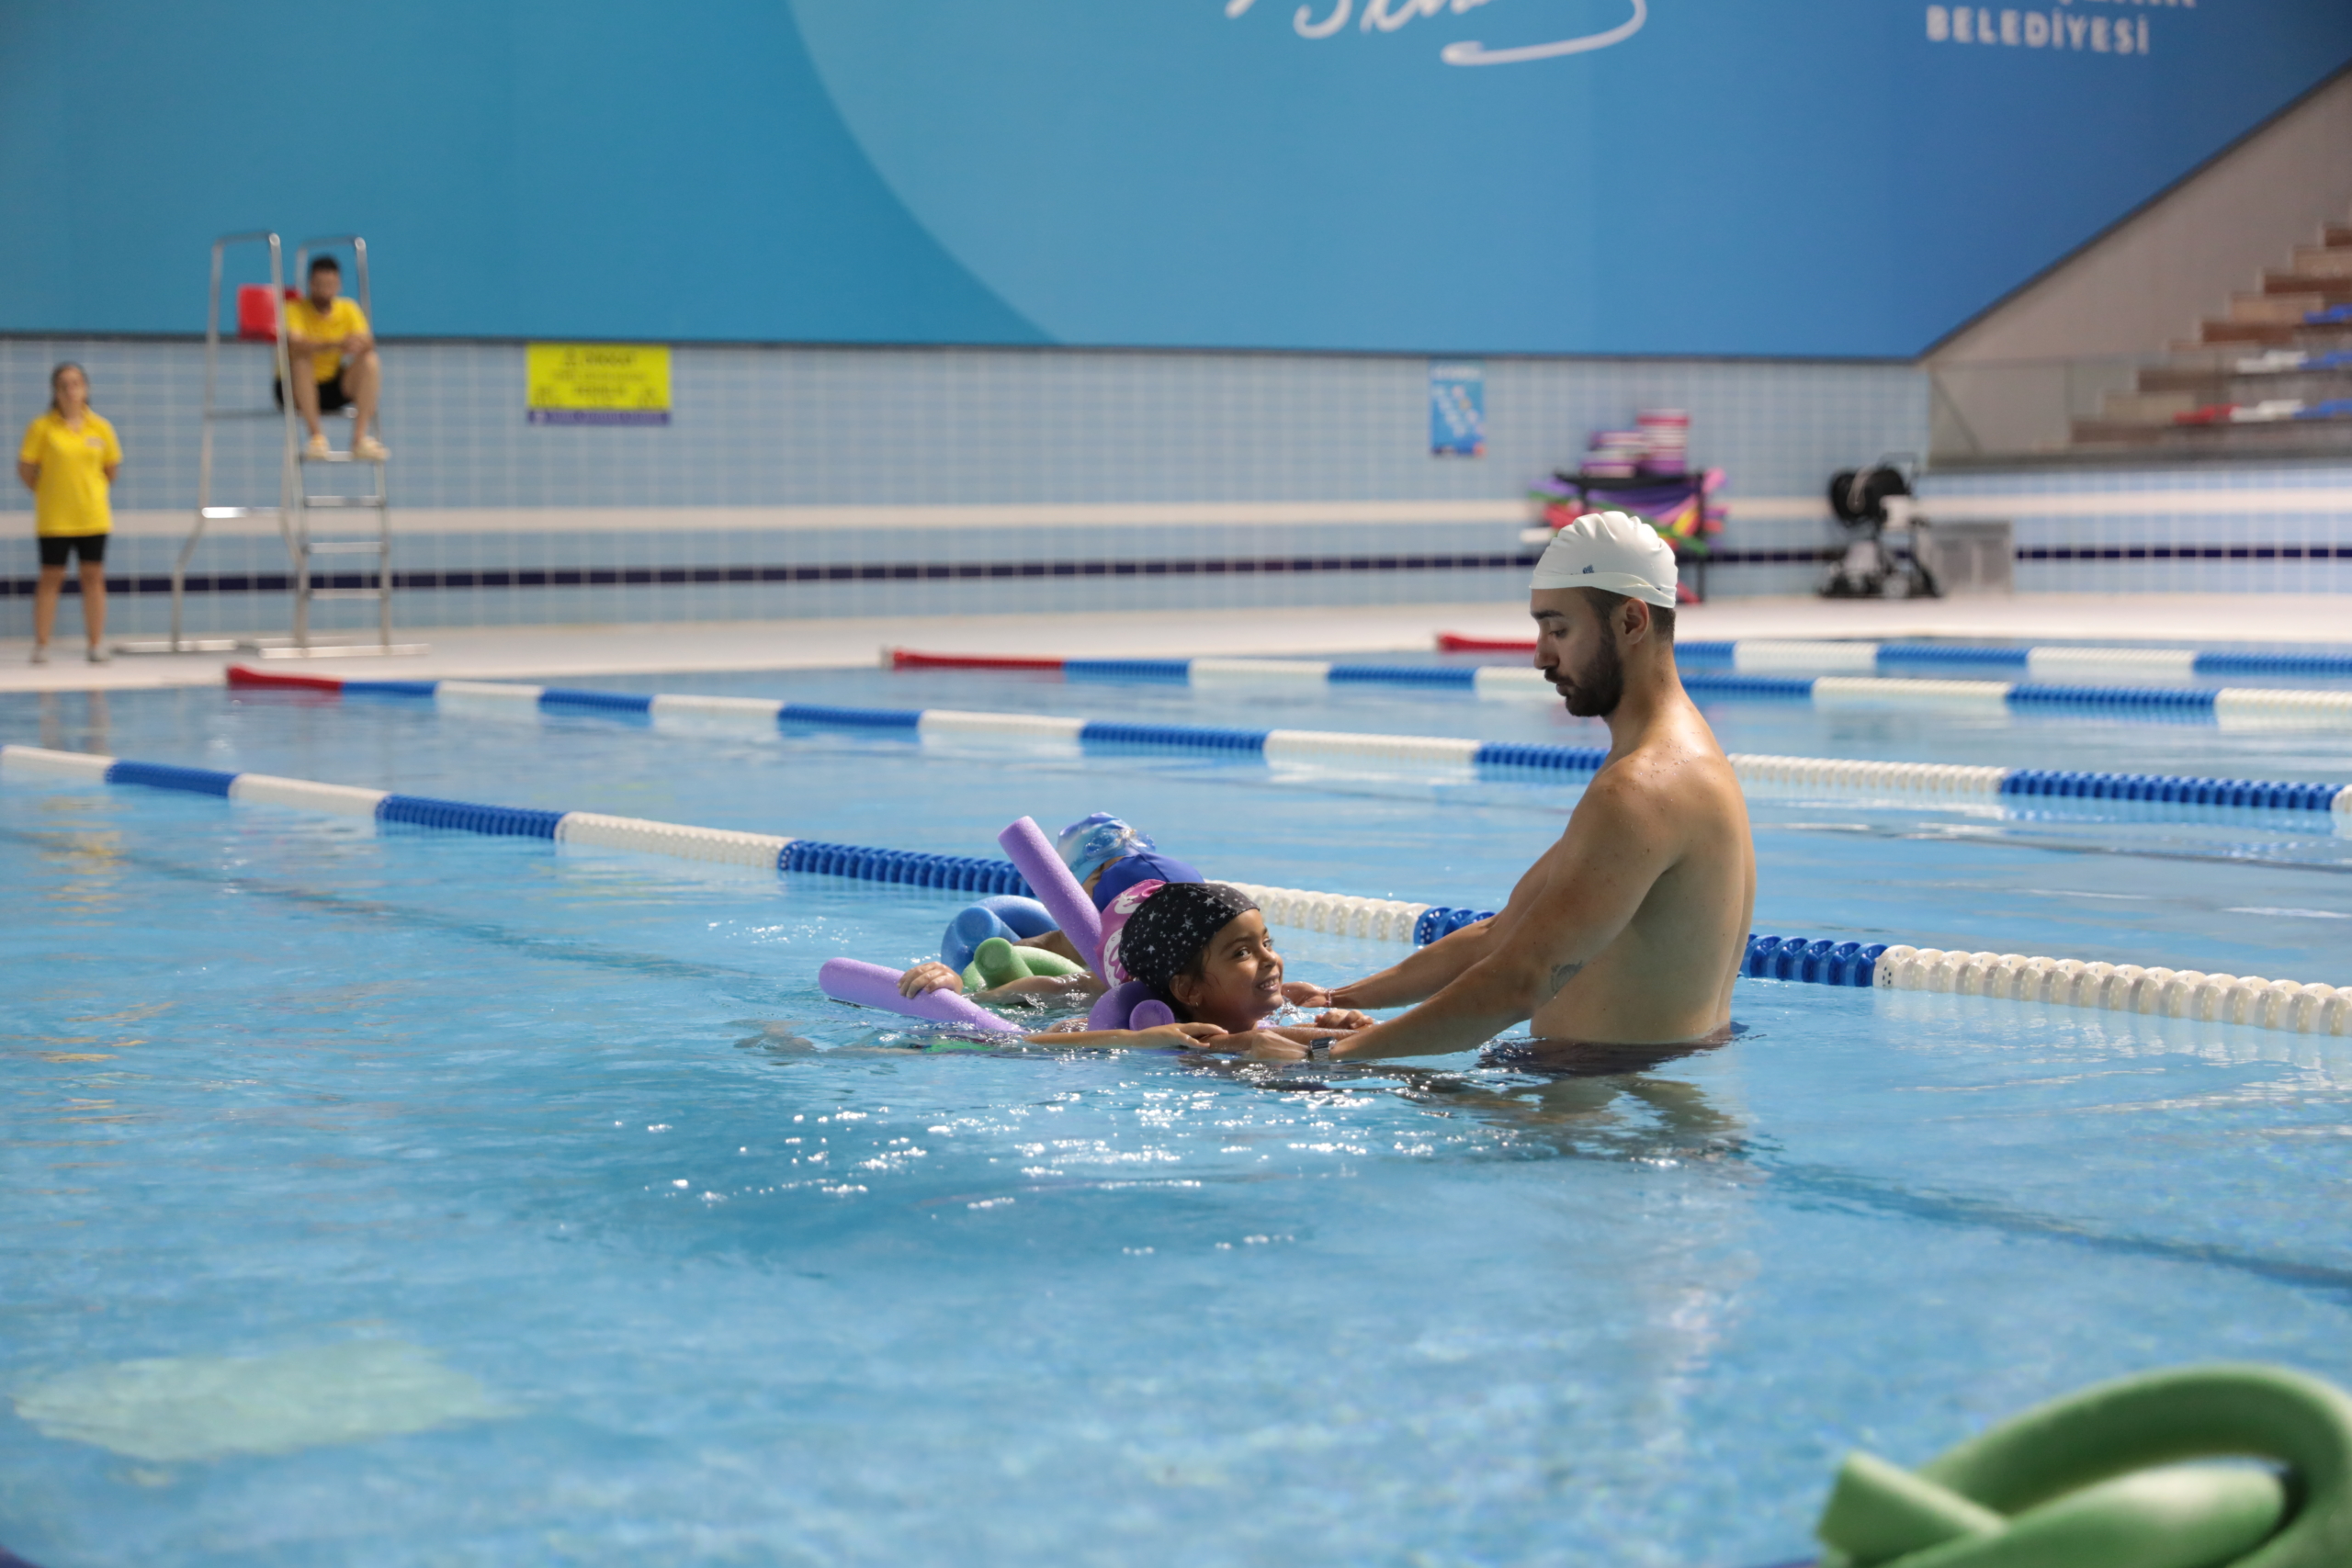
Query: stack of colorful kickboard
point(1665, 441)
point(1660, 443)
point(1615, 454)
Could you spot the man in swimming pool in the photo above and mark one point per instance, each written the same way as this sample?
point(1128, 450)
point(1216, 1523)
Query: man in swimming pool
point(1630, 929)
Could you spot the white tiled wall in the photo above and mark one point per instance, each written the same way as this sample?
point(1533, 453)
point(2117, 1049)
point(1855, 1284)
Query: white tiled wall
point(788, 429)
point(2249, 528)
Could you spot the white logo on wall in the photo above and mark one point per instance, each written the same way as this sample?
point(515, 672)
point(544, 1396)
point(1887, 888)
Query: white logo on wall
point(1387, 15)
point(2063, 28)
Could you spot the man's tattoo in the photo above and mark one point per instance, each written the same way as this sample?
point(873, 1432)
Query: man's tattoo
point(1562, 975)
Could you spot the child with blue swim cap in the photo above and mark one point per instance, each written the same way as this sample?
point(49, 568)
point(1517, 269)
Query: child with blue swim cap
point(1107, 856)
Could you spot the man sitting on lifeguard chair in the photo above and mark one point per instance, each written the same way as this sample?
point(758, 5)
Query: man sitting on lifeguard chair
point(332, 358)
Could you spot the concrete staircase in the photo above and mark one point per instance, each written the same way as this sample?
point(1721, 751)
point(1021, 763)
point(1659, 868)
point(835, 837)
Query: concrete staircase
point(2271, 377)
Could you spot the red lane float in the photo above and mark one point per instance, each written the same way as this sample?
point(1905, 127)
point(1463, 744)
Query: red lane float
point(908, 658)
point(1454, 642)
point(241, 675)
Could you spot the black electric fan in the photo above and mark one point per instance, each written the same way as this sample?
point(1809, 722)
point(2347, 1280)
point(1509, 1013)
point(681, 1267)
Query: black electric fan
point(1874, 565)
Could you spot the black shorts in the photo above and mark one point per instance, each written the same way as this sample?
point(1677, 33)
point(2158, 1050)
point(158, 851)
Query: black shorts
point(55, 547)
point(332, 396)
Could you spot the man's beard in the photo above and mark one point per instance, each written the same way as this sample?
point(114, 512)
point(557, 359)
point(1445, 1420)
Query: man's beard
point(1595, 692)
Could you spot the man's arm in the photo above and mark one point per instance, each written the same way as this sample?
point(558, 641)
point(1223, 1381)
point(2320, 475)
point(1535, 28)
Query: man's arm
point(30, 473)
point(1420, 974)
point(1619, 841)
point(1425, 972)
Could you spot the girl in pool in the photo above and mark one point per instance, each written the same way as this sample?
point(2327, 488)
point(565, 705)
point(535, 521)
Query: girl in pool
point(1107, 857)
point(1202, 948)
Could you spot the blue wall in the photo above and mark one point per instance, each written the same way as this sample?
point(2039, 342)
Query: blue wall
point(1827, 178)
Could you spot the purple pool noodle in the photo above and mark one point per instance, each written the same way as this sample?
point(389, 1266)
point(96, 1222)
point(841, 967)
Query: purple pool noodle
point(1056, 889)
point(1116, 1007)
point(1150, 1014)
point(871, 986)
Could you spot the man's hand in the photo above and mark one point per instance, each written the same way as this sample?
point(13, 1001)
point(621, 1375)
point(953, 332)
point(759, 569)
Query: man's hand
point(1300, 993)
point(925, 977)
point(1342, 1017)
point(353, 344)
point(1254, 1044)
point(1191, 1035)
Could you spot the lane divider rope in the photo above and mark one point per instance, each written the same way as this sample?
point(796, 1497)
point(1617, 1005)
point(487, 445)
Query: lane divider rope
point(1503, 682)
point(1933, 781)
point(1768, 655)
point(2272, 1004)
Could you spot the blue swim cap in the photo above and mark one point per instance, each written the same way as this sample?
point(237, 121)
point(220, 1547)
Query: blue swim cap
point(1091, 843)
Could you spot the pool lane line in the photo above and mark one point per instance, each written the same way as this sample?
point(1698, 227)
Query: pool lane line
point(1947, 781)
point(2273, 1004)
point(2063, 662)
point(1495, 683)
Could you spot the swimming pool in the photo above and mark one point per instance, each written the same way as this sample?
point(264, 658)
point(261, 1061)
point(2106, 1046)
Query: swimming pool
point(610, 1240)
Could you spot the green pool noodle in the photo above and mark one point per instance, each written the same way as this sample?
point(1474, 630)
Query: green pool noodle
point(2096, 1481)
point(997, 962)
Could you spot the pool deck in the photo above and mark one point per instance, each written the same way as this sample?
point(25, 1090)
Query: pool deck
point(551, 653)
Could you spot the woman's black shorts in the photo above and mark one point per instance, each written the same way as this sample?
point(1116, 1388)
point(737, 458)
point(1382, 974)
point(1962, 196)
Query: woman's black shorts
point(56, 547)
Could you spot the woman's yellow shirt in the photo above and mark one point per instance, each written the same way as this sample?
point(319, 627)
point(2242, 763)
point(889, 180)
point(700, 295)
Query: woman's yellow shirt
point(70, 497)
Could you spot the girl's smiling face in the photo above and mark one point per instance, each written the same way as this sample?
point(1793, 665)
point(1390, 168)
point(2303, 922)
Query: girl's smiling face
point(1237, 979)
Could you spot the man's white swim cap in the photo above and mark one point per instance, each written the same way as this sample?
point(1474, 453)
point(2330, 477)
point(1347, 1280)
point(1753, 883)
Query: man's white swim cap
point(1609, 550)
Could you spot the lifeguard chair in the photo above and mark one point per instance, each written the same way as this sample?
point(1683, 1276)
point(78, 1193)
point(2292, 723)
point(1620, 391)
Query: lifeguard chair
point(258, 315)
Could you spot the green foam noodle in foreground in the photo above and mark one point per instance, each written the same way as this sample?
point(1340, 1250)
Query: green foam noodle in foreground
point(2099, 1480)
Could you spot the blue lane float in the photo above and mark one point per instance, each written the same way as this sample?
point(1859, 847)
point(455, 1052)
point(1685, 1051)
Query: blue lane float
point(1752, 669)
point(2062, 661)
point(2127, 987)
point(1931, 781)
point(1768, 957)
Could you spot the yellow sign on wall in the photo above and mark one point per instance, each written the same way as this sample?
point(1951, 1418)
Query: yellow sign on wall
point(598, 383)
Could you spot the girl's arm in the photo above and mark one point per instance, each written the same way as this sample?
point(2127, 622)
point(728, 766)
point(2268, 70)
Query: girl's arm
point(937, 976)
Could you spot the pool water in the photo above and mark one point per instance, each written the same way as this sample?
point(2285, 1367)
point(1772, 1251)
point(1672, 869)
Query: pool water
point(397, 1195)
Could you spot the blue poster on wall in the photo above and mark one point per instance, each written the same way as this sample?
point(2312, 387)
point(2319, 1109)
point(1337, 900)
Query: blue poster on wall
point(1457, 408)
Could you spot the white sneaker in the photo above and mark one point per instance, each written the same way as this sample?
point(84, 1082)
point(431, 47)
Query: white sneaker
point(40, 653)
point(100, 656)
point(368, 449)
point(315, 447)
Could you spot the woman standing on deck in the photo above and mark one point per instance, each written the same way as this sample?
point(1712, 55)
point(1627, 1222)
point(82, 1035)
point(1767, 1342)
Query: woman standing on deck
point(68, 461)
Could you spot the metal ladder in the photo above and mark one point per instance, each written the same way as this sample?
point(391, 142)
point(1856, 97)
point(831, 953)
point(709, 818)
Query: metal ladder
point(301, 548)
point(295, 501)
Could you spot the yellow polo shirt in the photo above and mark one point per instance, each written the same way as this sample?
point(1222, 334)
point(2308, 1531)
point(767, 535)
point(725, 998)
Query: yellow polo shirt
point(342, 319)
point(70, 498)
